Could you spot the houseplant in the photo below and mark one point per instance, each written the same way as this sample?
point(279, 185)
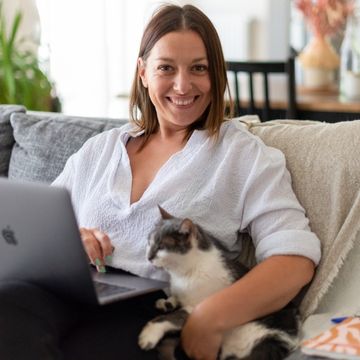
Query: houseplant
point(319, 59)
point(22, 81)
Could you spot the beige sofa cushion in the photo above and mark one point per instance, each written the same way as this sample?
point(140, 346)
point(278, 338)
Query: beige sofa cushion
point(324, 162)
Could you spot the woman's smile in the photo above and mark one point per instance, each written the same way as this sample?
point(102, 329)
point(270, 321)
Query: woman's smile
point(183, 102)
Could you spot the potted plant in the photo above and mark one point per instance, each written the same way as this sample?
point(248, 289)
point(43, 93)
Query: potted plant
point(22, 81)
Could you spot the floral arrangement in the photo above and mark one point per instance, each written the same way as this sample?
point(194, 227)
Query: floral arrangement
point(325, 17)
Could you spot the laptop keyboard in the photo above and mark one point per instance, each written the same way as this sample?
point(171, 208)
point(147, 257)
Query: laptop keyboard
point(104, 289)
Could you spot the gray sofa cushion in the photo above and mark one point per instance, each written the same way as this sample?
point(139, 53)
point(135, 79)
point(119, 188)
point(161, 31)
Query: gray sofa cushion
point(45, 141)
point(6, 135)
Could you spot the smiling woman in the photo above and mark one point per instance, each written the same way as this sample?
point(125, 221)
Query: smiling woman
point(192, 72)
point(176, 76)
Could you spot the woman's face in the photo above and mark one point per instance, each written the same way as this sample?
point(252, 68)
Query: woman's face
point(177, 77)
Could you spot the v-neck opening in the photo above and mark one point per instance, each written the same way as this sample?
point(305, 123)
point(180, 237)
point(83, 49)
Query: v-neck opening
point(158, 173)
point(125, 177)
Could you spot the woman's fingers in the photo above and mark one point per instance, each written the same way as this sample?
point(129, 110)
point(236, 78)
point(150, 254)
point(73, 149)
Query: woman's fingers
point(97, 246)
point(105, 243)
point(91, 245)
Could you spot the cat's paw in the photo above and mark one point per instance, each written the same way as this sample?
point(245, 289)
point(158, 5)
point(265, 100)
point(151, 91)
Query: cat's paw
point(167, 305)
point(152, 333)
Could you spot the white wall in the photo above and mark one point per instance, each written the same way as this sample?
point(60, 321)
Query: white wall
point(277, 29)
point(30, 24)
point(266, 23)
point(74, 33)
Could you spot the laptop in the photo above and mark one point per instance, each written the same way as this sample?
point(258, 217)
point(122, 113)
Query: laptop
point(40, 243)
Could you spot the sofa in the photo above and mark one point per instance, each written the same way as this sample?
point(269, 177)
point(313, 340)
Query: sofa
point(321, 157)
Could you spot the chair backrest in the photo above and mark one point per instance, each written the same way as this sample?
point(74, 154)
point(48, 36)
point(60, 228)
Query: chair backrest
point(265, 68)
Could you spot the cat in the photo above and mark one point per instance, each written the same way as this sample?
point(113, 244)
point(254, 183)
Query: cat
point(199, 265)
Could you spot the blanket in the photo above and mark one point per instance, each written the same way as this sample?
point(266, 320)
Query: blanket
point(324, 163)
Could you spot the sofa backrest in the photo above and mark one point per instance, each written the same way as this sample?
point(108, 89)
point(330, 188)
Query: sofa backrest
point(40, 143)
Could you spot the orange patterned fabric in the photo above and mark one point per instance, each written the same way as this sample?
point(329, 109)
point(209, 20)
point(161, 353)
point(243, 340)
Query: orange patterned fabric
point(342, 341)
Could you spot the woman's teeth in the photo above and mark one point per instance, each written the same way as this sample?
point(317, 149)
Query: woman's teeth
point(182, 102)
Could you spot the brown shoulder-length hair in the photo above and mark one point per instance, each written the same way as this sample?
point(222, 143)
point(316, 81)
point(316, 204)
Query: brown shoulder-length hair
point(170, 18)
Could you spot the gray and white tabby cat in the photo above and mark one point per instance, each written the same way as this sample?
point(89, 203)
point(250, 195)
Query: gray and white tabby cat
point(199, 265)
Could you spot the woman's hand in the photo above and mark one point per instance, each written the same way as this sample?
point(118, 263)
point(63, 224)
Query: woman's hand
point(97, 246)
point(200, 338)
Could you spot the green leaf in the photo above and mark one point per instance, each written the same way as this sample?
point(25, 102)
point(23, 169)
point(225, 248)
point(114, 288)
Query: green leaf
point(14, 30)
point(21, 79)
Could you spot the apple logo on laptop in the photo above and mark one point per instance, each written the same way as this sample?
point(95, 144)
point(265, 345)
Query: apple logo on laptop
point(9, 236)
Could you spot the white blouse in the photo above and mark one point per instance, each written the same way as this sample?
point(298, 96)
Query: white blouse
point(237, 184)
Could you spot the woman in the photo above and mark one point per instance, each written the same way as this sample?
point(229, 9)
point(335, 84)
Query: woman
point(179, 152)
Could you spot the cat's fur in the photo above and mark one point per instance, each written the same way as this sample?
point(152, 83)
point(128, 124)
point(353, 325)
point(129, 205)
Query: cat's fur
point(199, 266)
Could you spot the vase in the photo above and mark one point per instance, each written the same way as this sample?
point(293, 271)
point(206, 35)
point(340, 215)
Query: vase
point(350, 60)
point(319, 62)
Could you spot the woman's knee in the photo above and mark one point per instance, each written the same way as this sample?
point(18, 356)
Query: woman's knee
point(34, 301)
point(30, 319)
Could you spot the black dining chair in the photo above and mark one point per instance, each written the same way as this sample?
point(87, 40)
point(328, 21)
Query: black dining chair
point(265, 68)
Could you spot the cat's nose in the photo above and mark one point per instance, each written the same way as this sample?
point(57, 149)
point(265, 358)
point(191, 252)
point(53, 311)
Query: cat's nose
point(150, 255)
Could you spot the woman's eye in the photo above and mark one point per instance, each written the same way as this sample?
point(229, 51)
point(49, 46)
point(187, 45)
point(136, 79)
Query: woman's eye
point(200, 68)
point(165, 68)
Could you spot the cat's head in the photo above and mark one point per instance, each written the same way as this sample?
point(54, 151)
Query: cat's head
point(171, 240)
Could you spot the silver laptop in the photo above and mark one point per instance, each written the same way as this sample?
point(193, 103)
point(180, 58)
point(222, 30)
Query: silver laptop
point(40, 243)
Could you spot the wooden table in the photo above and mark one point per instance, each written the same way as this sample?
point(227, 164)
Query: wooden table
point(326, 103)
point(314, 105)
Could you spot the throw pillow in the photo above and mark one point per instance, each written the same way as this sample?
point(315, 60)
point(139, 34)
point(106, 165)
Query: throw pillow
point(6, 135)
point(45, 141)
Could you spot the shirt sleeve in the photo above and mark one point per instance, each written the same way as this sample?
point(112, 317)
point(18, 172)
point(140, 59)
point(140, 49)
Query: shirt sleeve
point(272, 214)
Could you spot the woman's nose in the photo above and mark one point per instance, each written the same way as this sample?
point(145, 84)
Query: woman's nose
point(182, 82)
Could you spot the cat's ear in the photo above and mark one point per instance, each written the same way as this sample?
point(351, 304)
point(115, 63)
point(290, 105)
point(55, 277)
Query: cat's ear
point(164, 214)
point(186, 226)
